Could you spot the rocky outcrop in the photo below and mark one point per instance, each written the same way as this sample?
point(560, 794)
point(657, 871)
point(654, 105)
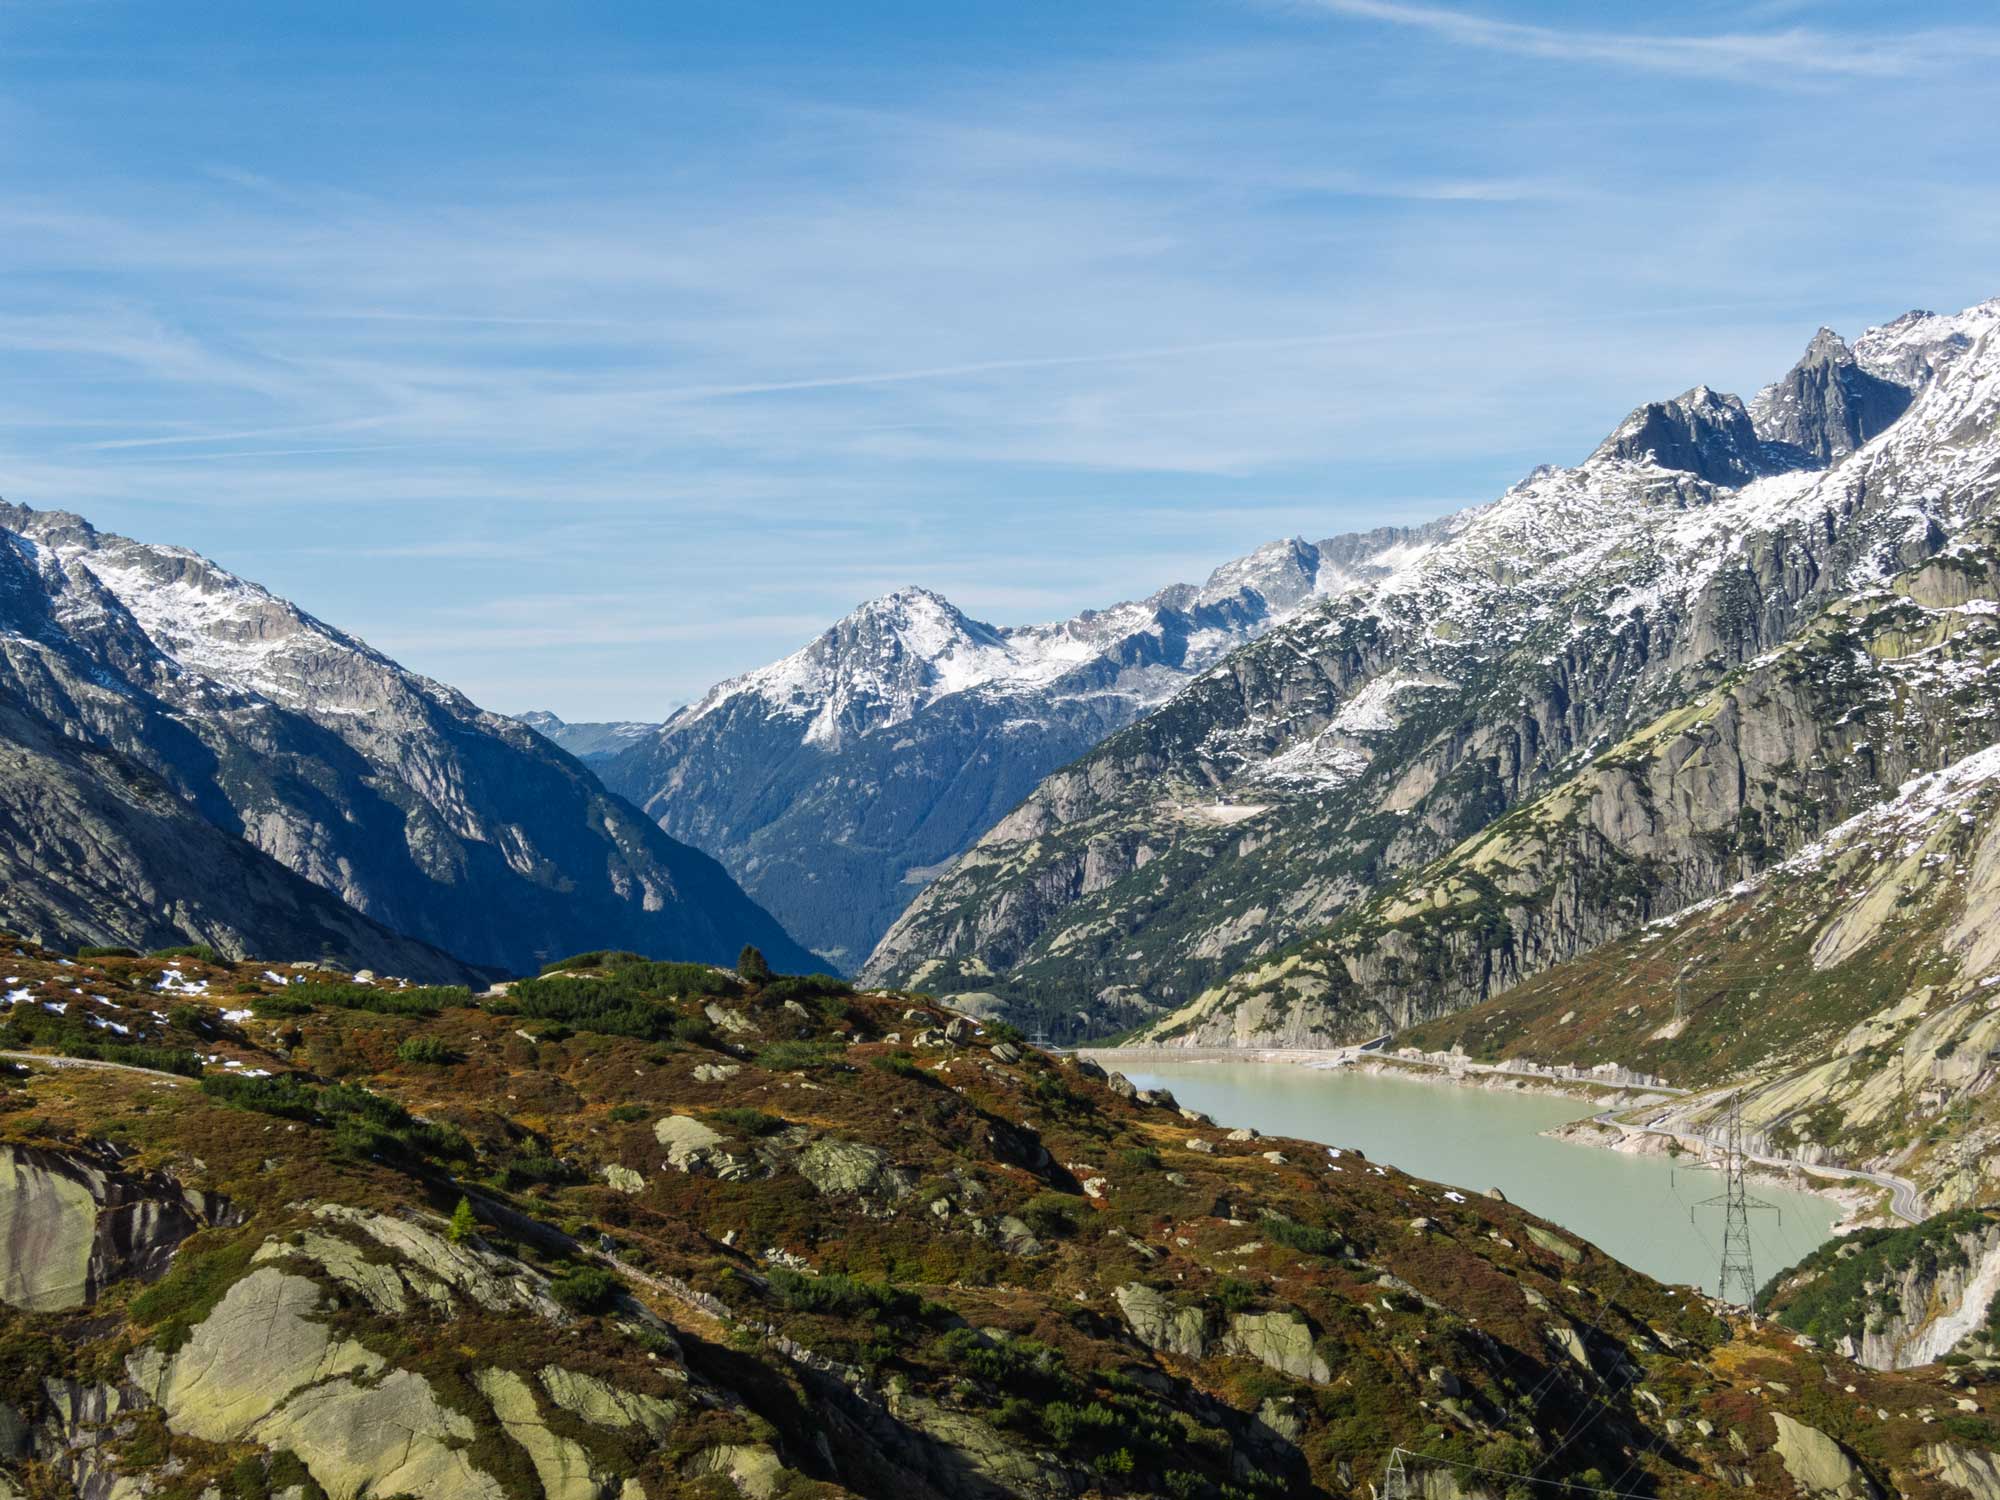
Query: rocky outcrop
point(561, 1464)
point(1819, 1464)
point(605, 1405)
point(266, 1338)
point(1971, 1470)
point(1827, 405)
point(847, 1168)
point(1698, 432)
point(70, 1224)
point(1931, 1307)
point(1160, 1323)
point(1282, 1340)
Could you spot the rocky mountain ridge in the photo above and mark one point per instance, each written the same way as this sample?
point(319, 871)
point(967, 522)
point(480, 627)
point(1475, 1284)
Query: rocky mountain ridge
point(834, 782)
point(1348, 748)
point(147, 684)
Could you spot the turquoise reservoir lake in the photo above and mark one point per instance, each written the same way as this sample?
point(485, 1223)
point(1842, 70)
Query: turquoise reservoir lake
point(1641, 1209)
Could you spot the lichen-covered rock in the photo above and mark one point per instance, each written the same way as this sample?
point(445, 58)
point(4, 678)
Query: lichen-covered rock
point(1282, 1340)
point(1819, 1464)
point(390, 1438)
point(264, 1339)
point(377, 1282)
point(442, 1271)
point(1968, 1469)
point(997, 1467)
point(691, 1145)
point(605, 1405)
point(562, 1465)
point(624, 1179)
point(1159, 1324)
point(69, 1225)
point(48, 1231)
point(753, 1468)
point(1555, 1244)
point(847, 1167)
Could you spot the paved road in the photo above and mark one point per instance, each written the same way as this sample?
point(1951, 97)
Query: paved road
point(1905, 1202)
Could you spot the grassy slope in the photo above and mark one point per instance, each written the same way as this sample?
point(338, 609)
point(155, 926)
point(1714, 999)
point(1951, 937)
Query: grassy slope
point(527, 1112)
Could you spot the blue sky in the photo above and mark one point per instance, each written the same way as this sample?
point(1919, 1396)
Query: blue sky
point(581, 355)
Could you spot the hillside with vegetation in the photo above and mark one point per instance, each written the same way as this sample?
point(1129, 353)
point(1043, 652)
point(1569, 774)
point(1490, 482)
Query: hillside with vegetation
point(639, 1229)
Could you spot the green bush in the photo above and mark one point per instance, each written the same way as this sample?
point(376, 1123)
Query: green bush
point(1065, 1423)
point(1307, 1239)
point(804, 987)
point(795, 1057)
point(903, 1065)
point(532, 1167)
point(596, 958)
point(625, 1114)
point(201, 952)
point(107, 952)
point(416, 1000)
point(747, 1121)
point(1235, 1294)
point(425, 1049)
point(840, 1296)
point(363, 1123)
point(586, 1289)
point(631, 1000)
point(1052, 1215)
point(36, 1028)
point(281, 1005)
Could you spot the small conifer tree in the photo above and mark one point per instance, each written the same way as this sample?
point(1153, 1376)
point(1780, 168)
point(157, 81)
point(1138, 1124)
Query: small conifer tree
point(463, 1225)
point(751, 966)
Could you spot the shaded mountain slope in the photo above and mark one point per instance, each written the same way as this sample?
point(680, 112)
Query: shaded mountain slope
point(421, 811)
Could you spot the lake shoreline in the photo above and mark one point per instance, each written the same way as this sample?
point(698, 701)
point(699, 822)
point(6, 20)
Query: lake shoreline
point(1859, 1203)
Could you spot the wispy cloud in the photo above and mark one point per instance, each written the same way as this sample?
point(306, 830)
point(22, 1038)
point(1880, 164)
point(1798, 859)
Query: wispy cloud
point(731, 347)
point(1754, 56)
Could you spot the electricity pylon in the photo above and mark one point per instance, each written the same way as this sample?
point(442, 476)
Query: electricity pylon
point(1396, 1479)
point(1737, 1268)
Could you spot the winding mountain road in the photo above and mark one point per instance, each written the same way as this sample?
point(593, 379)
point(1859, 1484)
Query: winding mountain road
point(1905, 1201)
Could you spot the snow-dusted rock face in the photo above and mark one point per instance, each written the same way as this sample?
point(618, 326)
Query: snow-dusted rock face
point(1368, 735)
point(148, 690)
point(1827, 405)
point(833, 783)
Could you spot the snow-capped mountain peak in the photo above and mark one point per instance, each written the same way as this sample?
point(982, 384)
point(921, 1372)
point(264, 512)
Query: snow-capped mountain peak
point(1701, 431)
point(1917, 347)
point(207, 626)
